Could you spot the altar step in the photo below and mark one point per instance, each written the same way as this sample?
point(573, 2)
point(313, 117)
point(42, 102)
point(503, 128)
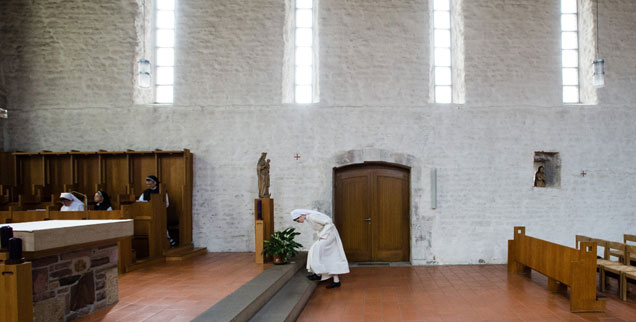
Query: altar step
point(184, 252)
point(277, 294)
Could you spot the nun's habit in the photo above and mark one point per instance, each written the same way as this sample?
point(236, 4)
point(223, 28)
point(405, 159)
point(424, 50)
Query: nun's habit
point(145, 196)
point(326, 256)
point(105, 203)
point(76, 205)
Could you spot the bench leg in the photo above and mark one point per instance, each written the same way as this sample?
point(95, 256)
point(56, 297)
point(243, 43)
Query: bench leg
point(601, 271)
point(623, 286)
point(555, 286)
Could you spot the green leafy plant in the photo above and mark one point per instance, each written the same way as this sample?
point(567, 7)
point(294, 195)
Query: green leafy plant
point(281, 243)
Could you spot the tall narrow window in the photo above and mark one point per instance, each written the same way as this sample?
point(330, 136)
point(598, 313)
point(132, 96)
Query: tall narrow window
point(442, 55)
point(570, 51)
point(304, 52)
point(164, 51)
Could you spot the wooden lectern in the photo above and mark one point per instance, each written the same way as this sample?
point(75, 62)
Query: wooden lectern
point(263, 225)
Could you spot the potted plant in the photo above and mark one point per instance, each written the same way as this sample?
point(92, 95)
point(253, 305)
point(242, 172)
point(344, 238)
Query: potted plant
point(281, 245)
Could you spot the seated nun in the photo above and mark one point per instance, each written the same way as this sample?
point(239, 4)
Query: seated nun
point(70, 202)
point(152, 183)
point(102, 201)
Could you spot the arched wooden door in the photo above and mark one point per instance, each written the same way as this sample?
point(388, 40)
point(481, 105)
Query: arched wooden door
point(372, 211)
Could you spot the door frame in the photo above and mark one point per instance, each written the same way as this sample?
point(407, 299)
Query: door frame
point(371, 163)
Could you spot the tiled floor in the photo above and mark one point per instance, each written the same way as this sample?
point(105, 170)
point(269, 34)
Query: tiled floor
point(451, 293)
point(179, 291)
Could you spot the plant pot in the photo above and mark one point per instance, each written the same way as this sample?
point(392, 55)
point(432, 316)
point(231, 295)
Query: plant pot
point(278, 260)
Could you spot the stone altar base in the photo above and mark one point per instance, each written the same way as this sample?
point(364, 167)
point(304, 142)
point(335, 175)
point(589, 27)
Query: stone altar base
point(73, 284)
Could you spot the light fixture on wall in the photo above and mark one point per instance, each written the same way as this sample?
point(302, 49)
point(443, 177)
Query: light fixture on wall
point(144, 73)
point(4, 114)
point(599, 63)
point(143, 64)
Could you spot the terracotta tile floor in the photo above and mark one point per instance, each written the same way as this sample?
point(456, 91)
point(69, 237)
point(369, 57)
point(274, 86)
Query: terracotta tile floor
point(452, 293)
point(179, 291)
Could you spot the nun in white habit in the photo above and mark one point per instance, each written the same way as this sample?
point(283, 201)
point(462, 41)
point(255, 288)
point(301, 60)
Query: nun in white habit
point(71, 203)
point(326, 258)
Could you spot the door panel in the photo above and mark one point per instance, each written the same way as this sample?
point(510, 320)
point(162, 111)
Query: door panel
point(353, 202)
point(372, 212)
point(392, 220)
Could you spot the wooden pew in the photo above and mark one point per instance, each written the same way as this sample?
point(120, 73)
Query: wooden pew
point(149, 240)
point(628, 274)
point(29, 215)
point(561, 264)
point(5, 216)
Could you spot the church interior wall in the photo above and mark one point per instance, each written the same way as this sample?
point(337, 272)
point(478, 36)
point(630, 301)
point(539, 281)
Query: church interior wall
point(70, 69)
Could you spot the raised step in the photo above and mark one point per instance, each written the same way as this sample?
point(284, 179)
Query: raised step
point(290, 300)
point(245, 302)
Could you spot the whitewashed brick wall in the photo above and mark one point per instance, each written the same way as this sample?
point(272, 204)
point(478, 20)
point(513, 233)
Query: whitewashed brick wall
point(71, 73)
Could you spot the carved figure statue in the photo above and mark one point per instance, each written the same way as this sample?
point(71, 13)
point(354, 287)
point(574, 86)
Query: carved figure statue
point(262, 170)
point(539, 177)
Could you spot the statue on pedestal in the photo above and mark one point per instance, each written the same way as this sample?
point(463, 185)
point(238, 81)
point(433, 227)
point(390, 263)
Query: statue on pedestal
point(262, 170)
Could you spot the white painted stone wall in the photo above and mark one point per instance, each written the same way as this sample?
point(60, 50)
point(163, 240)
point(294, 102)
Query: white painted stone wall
point(71, 78)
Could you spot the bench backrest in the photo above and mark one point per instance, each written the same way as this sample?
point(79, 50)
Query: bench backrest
point(550, 259)
point(630, 250)
point(581, 238)
point(629, 238)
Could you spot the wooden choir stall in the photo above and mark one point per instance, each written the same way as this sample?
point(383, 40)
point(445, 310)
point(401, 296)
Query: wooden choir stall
point(30, 192)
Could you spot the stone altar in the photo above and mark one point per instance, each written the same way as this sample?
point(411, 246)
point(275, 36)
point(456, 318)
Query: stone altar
point(74, 265)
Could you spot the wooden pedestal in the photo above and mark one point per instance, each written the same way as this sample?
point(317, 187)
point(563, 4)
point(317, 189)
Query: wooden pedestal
point(16, 293)
point(263, 225)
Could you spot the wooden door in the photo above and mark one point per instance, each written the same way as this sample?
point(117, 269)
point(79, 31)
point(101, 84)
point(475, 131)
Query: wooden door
point(372, 212)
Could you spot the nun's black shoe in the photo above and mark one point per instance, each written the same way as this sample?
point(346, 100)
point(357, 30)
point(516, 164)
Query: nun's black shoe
point(333, 284)
point(314, 277)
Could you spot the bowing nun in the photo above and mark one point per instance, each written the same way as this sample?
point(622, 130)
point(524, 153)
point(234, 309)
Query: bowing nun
point(70, 202)
point(326, 258)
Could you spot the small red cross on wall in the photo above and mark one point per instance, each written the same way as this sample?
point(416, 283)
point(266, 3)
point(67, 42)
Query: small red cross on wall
point(583, 173)
point(297, 156)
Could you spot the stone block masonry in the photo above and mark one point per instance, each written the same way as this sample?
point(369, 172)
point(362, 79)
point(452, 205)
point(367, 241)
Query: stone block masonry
point(69, 69)
point(74, 284)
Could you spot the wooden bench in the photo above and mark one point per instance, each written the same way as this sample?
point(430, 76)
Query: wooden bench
point(606, 260)
point(607, 264)
point(619, 268)
point(627, 239)
point(575, 268)
point(629, 273)
point(614, 262)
